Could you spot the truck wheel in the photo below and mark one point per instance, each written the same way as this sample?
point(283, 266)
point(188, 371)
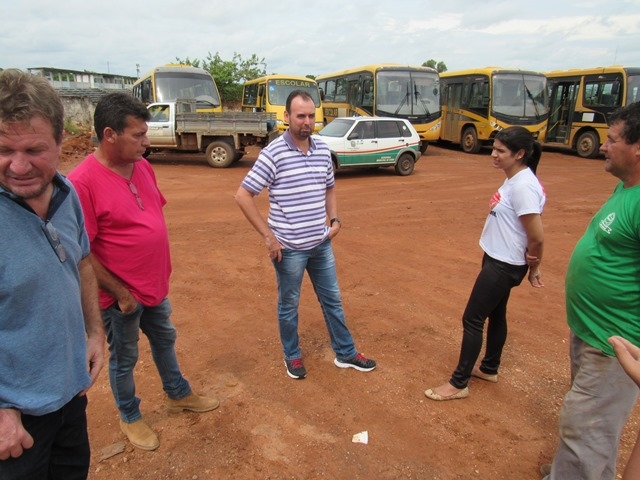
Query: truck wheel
point(220, 154)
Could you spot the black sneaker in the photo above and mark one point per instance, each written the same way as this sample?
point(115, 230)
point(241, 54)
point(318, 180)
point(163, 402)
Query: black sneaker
point(359, 362)
point(295, 368)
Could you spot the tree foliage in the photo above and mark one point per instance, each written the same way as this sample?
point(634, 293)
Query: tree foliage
point(439, 66)
point(230, 74)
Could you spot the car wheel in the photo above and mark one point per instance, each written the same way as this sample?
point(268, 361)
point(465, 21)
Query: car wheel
point(405, 164)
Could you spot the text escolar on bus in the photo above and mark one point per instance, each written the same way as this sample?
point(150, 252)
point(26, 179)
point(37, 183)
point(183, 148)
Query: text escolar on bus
point(478, 103)
point(581, 99)
point(385, 90)
point(171, 82)
point(269, 94)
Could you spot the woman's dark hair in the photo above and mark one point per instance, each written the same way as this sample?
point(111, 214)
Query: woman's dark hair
point(519, 138)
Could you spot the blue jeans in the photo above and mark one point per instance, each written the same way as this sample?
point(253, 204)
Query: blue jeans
point(122, 336)
point(60, 449)
point(592, 416)
point(321, 267)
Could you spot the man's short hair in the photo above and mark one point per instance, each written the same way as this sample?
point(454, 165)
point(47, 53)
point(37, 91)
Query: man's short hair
point(630, 116)
point(297, 93)
point(24, 95)
point(113, 109)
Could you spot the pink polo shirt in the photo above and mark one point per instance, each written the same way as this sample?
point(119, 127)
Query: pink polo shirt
point(129, 241)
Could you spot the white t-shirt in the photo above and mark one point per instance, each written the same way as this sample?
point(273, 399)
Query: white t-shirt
point(503, 237)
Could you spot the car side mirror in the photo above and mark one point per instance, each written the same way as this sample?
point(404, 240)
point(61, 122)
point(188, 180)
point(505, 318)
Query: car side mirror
point(353, 136)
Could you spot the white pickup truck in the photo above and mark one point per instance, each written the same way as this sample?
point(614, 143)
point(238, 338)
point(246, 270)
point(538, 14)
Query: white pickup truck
point(222, 137)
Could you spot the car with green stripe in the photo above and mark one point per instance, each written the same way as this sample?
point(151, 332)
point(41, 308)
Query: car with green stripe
point(372, 142)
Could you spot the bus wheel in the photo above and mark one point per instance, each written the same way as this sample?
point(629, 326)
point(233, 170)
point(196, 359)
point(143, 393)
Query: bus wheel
point(405, 164)
point(588, 145)
point(220, 154)
point(470, 142)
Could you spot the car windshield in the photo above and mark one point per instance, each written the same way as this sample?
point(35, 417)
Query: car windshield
point(337, 128)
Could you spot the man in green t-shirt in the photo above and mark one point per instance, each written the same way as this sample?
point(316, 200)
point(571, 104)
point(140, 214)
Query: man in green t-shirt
point(603, 299)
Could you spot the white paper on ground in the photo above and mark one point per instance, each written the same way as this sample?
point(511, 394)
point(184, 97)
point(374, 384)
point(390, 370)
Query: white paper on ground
point(362, 437)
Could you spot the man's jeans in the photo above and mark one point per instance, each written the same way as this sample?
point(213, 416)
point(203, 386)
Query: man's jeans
point(122, 335)
point(61, 446)
point(592, 416)
point(321, 267)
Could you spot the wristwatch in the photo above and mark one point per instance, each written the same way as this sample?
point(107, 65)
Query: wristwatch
point(333, 220)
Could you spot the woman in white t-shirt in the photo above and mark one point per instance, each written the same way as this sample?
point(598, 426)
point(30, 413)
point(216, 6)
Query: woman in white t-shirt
point(512, 240)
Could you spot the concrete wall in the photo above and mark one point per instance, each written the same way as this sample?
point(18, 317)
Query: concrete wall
point(79, 111)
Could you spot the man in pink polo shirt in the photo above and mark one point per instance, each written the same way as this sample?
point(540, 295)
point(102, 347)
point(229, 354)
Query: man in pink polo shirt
point(130, 253)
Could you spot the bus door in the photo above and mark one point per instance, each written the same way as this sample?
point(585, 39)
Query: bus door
point(355, 92)
point(451, 113)
point(562, 98)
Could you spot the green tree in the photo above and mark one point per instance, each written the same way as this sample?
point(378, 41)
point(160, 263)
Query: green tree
point(439, 66)
point(230, 74)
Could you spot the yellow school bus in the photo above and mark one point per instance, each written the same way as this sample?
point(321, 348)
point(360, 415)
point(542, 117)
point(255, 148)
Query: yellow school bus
point(269, 94)
point(171, 82)
point(580, 101)
point(478, 103)
point(385, 90)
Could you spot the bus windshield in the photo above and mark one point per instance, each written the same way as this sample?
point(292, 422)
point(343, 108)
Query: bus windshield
point(173, 85)
point(518, 95)
point(279, 90)
point(407, 93)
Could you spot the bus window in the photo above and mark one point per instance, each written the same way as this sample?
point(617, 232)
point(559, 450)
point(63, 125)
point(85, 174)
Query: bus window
point(341, 90)
point(633, 89)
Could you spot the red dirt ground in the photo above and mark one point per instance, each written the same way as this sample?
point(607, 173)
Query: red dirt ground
point(407, 257)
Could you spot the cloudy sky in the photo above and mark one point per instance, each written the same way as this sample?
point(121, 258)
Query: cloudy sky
point(301, 38)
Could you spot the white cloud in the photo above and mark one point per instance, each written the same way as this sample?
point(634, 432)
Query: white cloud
point(122, 36)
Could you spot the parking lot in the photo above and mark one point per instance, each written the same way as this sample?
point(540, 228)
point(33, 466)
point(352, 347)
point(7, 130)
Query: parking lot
point(407, 257)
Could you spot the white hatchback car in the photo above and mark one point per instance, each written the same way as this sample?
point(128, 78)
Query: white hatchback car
point(372, 142)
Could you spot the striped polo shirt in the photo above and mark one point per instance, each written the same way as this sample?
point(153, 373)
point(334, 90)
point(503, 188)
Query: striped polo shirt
point(297, 185)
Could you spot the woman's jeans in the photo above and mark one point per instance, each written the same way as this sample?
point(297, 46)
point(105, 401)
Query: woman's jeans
point(488, 298)
point(321, 267)
point(123, 335)
point(60, 449)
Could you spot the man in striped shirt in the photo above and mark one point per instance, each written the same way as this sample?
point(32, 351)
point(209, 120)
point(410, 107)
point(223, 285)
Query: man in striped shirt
point(297, 171)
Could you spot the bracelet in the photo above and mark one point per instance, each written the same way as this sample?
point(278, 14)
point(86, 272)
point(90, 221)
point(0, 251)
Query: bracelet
point(333, 220)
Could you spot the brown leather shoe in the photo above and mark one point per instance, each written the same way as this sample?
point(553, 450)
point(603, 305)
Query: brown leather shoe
point(193, 403)
point(140, 434)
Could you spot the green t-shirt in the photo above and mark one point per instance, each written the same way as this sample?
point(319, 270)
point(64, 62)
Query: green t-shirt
point(603, 277)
